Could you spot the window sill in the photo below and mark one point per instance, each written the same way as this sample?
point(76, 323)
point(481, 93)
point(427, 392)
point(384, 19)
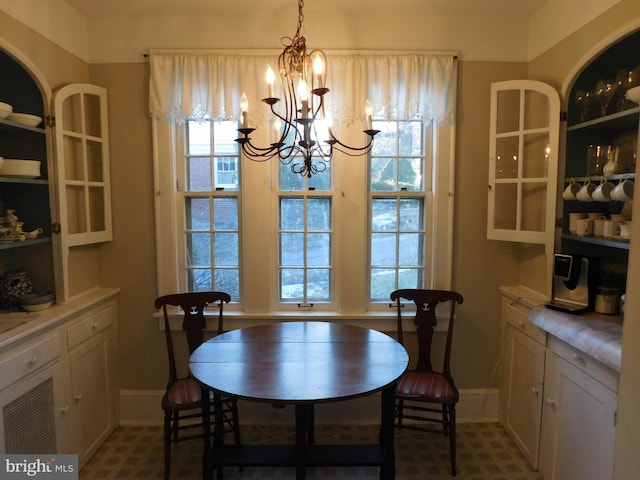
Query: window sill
point(381, 321)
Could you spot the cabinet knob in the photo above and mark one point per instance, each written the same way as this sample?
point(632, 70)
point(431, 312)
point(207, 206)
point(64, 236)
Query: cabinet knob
point(64, 409)
point(33, 360)
point(551, 402)
point(578, 359)
point(535, 391)
point(94, 326)
point(78, 397)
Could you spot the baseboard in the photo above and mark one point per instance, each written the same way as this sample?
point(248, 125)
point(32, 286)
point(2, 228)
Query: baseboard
point(143, 407)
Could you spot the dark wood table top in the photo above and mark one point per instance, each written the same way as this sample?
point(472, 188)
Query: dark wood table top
point(299, 362)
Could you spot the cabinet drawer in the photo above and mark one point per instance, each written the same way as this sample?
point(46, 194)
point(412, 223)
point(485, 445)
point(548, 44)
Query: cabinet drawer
point(589, 365)
point(30, 359)
point(93, 323)
point(517, 315)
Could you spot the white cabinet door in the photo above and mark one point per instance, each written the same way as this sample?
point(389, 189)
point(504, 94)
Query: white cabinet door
point(92, 393)
point(523, 163)
point(82, 156)
point(578, 425)
point(523, 392)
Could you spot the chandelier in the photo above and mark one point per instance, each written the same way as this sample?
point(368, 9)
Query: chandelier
point(306, 141)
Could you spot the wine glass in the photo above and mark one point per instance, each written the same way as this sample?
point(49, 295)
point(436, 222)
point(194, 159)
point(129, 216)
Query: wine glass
point(605, 91)
point(583, 99)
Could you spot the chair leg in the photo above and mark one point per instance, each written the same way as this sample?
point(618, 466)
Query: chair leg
point(452, 437)
point(167, 444)
point(399, 411)
point(236, 423)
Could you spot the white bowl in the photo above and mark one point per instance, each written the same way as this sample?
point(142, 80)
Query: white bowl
point(25, 119)
point(633, 94)
point(5, 110)
point(36, 307)
point(13, 167)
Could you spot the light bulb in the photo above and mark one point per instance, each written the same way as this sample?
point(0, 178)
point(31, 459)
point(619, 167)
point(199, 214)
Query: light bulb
point(270, 77)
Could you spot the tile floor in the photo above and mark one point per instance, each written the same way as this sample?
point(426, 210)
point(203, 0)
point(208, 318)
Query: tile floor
point(485, 452)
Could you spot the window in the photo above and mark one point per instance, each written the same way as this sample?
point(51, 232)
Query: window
point(397, 208)
point(338, 242)
point(212, 214)
point(305, 237)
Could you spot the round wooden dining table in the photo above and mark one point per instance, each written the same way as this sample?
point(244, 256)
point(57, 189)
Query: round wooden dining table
point(301, 363)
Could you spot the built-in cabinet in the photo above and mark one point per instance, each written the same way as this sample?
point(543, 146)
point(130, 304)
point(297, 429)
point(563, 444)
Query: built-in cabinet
point(578, 429)
point(523, 378)
point(59, 391)
point(69, 198)
point(557, 403)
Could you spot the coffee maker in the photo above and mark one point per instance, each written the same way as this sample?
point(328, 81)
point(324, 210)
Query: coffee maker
point(573, 279)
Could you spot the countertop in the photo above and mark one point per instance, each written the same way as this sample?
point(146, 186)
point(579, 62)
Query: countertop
point(597, 335)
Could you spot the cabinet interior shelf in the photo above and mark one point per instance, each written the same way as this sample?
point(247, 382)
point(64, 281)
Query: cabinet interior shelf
point(625, 120)
point(26, 243)
point(4, 123)
point(606, 242)
point(598, 178)
point(31, 181)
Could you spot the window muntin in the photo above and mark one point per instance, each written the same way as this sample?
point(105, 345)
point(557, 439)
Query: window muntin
point(397, 209)
point(212, 210)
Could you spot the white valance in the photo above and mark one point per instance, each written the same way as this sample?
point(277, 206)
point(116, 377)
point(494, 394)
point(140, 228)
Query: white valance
point(209, 85)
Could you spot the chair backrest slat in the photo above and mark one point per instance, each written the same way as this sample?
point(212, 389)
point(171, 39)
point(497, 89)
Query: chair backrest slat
point(426, 302)
point(194, 322)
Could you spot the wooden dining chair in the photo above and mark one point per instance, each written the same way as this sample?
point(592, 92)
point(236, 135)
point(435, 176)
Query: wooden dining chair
point(182, 401)
point(422, 385)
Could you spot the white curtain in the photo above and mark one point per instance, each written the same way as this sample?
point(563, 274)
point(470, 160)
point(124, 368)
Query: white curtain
point(207, 85)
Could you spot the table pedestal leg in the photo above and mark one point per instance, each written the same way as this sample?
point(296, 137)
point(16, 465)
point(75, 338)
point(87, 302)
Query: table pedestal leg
point(388, 470)
point(304, 434)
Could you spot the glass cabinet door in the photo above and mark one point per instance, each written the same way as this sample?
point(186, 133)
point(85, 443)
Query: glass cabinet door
point(82, 151)
point(523, 163)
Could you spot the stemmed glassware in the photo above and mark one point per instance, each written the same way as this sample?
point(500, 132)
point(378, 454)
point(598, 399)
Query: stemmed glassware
point(605, 91)
point(583, 99)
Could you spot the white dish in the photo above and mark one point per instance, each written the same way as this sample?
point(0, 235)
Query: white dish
point(13, 167)
point(25, 119)
point(5, 110)
point(633, 94)
point(37, 307)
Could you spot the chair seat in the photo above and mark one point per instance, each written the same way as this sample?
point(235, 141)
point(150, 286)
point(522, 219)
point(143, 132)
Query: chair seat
point(185, 391)
point(432, 387)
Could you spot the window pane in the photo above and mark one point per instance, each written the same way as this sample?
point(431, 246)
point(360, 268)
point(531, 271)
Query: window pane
point(318, 250)
point(410, 249)
point(227, 175)
point(291, 213)
point(318, 285)
point(410, 174)
point(291, 282)
point(409, 278)
point(292, 249)
point(383, 249)
point(387, 140)
point(383, 174)
point(199, 244)
point(384, 214)
point(198, 213)
point(225, 134)
point(383, 282)
point(228, 280)
point(225, 249)
point(225, 213)
point(199, 280)
point(318, 214)
point(410, 141)
point(199, 137)
point(411, 215)
point(321, 181)
point(199, 174)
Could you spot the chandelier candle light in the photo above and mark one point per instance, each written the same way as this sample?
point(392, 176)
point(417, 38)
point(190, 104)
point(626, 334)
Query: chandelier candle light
point(306, 141)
